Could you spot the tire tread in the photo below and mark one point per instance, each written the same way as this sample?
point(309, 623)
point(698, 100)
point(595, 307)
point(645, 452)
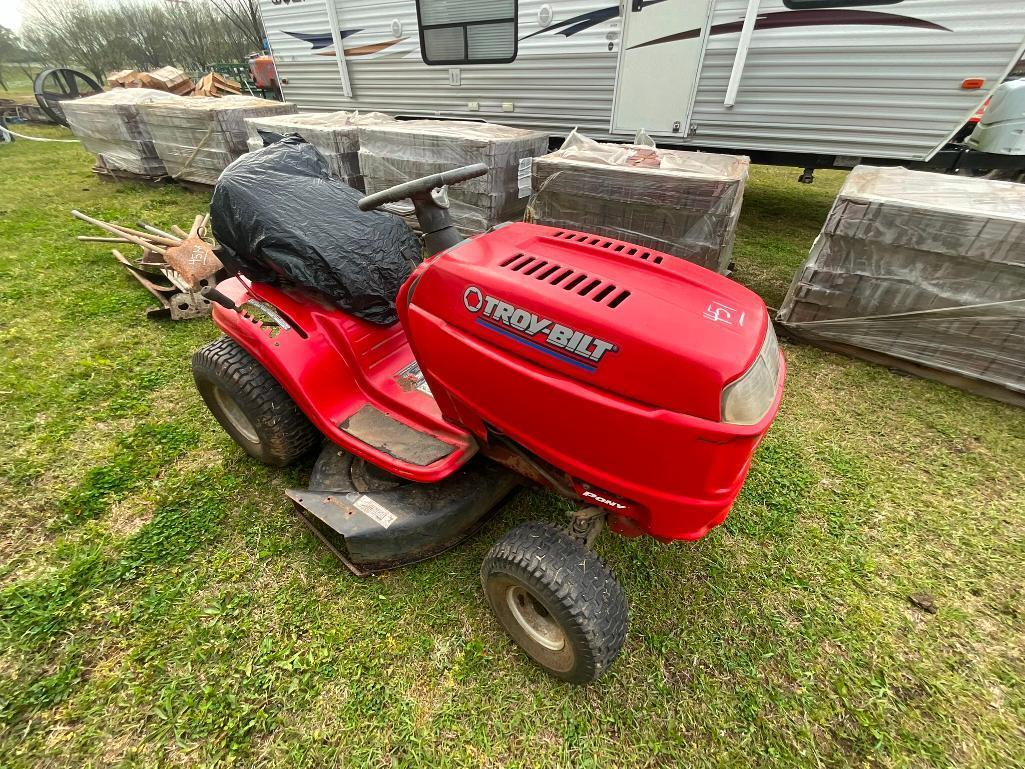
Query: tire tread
point(281, 424)
point(584, 587)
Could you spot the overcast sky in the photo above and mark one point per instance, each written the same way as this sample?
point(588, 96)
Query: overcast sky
point(10, 14)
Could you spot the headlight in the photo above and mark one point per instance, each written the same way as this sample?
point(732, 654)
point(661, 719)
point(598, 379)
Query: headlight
point(746, 401)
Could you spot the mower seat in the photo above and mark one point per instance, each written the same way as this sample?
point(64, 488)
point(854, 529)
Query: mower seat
point(280, 218)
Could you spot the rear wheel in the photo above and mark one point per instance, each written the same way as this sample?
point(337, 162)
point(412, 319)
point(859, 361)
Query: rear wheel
point(557, 600)
point(250, 404)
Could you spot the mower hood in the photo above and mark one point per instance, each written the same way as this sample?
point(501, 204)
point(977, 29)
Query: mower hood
point(646, 326)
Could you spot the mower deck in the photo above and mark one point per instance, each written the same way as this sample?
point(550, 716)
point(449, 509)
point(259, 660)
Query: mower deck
point(373, 521)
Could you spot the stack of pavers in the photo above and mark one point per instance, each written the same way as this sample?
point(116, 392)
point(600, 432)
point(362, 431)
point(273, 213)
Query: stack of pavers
point(683, 203)
point(198, 137)
point(111, 127)
point(334, 134)
point(398, 152)
point(923, 268)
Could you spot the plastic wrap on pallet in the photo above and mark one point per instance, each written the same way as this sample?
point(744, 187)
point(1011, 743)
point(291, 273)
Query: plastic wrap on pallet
point(197, 137)
point(921, 267)
point(334, 134)
point(683, 203)
point(111, 127)
point(404, 150)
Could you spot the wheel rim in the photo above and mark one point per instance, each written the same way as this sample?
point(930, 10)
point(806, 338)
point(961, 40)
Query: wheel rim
point(534, 618)
point(235, 415)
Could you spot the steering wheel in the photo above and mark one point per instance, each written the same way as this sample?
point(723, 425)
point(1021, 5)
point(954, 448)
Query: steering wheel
point(421, 186)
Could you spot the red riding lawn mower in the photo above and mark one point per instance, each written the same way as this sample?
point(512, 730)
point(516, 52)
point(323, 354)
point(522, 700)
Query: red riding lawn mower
point(633, 383)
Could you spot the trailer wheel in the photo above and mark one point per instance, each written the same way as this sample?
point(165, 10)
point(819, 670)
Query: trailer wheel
point(557, 600)
point(250, 404)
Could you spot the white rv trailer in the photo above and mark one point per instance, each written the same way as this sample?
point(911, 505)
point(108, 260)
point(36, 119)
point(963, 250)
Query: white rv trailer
point(811, 82)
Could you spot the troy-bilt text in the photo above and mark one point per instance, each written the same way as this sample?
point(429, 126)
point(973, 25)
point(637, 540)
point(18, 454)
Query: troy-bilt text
point(541, 330)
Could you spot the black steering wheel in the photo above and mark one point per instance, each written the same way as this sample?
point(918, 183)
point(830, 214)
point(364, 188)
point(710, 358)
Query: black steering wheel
point(421, 186)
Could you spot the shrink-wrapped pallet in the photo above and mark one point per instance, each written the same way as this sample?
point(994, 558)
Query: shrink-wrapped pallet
point(920, 268)
point(198, 137)
point(683, 203)
point(334, 134)
point(408, 149)
point(111, 127)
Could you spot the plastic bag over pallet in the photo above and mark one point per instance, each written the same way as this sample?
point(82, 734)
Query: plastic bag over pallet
point(280, 218)
point(409, 149)
point(921, 267)
point(683, 203)
point(110, 125)
point(334, 134)
point(198, 137)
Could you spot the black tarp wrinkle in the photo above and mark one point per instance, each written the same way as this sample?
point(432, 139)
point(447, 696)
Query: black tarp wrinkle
point(280, 218)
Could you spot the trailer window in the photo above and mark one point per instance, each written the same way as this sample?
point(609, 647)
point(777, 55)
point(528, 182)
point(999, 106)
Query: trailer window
point(467, 31)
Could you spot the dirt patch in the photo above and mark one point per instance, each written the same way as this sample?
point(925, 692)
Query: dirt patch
point(128, 516)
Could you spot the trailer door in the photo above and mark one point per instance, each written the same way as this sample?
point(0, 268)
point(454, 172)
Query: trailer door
point(659, 62)
point(306, 40)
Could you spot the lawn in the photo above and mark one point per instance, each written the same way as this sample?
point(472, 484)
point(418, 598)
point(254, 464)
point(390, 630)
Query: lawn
point(160, 604)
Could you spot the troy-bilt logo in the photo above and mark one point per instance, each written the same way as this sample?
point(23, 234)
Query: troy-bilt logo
point(603, 500)
point(543, 334)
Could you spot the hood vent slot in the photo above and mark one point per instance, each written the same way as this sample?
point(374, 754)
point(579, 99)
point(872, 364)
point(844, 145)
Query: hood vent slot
point(619, 248)
point(548, 273)
point(568, 279)
point(619, 299)
point(559, 278)
point(575, 281)
point(517, 261)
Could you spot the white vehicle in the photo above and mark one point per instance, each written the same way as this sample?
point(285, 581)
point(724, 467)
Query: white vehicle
point(817, 83)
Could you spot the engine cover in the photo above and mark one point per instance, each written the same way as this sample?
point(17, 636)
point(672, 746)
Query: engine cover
point(648, 327)
point(603, 358)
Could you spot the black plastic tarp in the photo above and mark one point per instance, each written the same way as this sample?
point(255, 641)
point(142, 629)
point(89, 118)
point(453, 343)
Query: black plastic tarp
point(280, 218)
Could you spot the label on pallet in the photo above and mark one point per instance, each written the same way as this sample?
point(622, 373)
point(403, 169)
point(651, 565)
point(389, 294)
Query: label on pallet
point(375, 510)
point(523, 172)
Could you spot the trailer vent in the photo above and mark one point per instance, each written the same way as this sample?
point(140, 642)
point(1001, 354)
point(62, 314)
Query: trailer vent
point(566, 278)
point(612, 245)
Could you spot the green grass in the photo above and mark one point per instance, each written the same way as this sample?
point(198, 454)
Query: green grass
point(19, 84)
point(160, 605)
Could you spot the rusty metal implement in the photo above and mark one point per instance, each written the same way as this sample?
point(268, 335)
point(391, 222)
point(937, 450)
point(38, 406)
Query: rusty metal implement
point(178, 270)
point(193, 259)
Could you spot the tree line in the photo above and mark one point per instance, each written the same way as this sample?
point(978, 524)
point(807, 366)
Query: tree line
point(103, 36)
point(12, 55)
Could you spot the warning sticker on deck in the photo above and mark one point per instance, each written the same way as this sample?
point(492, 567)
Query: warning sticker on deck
point(375, 510)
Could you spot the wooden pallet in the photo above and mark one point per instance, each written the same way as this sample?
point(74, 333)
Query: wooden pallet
point(117, 175)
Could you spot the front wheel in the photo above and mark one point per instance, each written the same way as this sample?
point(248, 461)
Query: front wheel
point(557, 600)
point(250, 404)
